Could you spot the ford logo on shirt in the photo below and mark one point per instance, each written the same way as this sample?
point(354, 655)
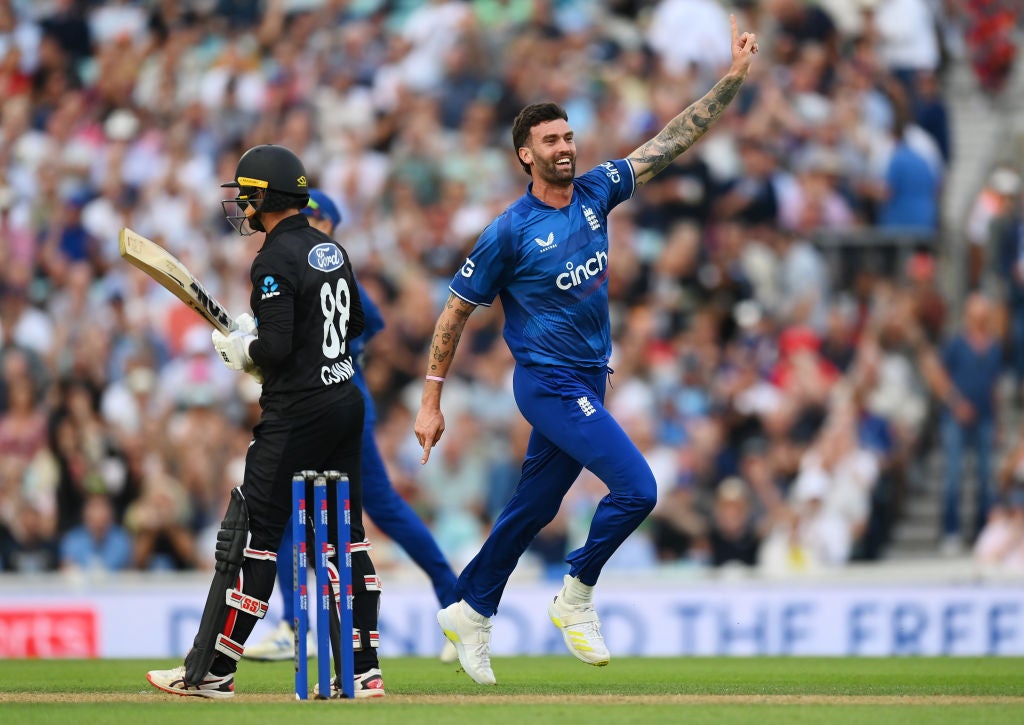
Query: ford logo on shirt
point(326, 257)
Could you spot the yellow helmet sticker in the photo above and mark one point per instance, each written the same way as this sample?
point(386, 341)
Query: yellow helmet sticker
point(249, 181)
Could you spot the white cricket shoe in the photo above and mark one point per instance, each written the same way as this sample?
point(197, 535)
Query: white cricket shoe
point(279, 645)
point(173, 681)
point(368, 684)
point(449, 655)
point(581, 629)
point(472, 642)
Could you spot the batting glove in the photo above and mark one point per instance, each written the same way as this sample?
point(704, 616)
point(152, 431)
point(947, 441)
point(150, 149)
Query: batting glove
point(245, 323)
point(234, 349)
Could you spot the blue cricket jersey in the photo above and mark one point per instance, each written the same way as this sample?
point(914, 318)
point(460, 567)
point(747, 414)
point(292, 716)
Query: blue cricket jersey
point(550, 268)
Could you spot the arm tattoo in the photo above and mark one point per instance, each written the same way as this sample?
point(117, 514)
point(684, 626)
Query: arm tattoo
point(684, 130)
point(448, 333)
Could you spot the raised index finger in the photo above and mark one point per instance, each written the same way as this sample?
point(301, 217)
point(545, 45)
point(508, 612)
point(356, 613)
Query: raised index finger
point(732, 27)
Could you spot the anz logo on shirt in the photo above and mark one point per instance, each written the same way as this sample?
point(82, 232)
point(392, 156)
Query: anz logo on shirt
point(269, 288)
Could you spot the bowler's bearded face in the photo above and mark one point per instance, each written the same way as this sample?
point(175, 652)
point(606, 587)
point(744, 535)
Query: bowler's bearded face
point(552, 147)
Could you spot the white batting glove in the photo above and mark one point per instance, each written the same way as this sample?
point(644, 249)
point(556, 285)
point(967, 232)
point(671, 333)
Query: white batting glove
point(234, 349)
point(245, 323)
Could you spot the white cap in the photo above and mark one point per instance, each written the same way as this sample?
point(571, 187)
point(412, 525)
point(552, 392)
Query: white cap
point(1005, 181)
point(121, 125)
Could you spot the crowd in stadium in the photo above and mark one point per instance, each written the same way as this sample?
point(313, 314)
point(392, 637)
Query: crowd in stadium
point(784, 401)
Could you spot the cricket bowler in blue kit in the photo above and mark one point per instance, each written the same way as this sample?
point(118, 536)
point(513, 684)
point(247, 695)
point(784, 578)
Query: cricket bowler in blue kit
point(381, 502)
point(547, 258)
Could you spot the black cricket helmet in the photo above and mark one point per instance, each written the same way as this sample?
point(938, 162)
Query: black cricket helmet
point(268, 178)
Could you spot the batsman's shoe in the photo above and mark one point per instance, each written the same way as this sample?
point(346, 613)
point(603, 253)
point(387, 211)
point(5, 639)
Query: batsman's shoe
point(173, 681)
point(368, 684)
point(279, 645)
point(449, 655)
point(581, 630)
point(472, 642)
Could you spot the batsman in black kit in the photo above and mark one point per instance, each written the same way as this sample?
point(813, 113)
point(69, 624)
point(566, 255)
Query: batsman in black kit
point(306, 309)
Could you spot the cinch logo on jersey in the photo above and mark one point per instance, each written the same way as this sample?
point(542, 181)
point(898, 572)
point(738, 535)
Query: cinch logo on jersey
point(548, 244)
point(611, 172)
point(591, 218)
point(586, 406)
point(577, 275)
point(325, 257)
point(269, 288)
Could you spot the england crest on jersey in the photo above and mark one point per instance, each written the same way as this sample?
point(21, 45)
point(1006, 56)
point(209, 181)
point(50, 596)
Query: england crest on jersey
point(325, 257)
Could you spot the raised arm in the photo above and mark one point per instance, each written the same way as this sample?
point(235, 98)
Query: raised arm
point(447, 332)
point(683, 131)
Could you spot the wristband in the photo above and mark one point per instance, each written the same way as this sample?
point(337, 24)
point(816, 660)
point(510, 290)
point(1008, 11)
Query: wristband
point(435, 378)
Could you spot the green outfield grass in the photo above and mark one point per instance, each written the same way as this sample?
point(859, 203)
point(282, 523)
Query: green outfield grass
point(544, 690)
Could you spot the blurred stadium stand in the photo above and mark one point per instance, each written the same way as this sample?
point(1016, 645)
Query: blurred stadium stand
point(766, 317)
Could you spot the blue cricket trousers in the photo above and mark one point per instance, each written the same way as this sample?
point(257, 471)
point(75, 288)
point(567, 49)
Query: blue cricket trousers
point(572, 430)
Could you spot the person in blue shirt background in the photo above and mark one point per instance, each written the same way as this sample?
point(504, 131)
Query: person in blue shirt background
point(970, 363)
point(547, 258)
point(381, 502)
point(99, 543)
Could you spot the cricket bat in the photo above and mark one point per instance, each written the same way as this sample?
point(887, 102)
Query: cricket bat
point(174, 276)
